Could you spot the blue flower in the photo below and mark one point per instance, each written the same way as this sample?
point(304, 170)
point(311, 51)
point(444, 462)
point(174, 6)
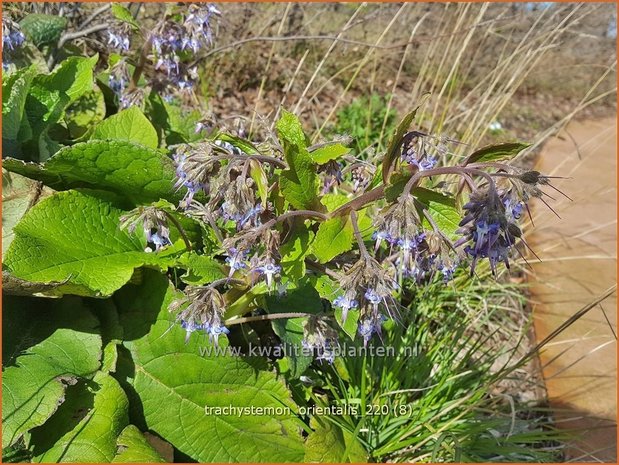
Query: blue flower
point(269, 270)
point(236, 260)
point(345, 304)
point(373, 297)
point(160, 239)
point(380, 236)
point(118, 40)
point(369, 326)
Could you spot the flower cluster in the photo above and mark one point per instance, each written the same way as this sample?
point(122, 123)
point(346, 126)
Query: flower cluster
point(154, 222)
point(415, 150)
point(320, 337)
point(204, 312)
point(12, 39)
point(119, 37)
point(367, 287)
point(169, 55)
point(416, 253)
point(176, 39)
point(487, 229)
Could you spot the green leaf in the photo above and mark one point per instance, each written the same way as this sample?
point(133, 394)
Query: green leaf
point(441, 208)
point(329, 152)
point(329, 443)
point(496, 152)
point(140, 174)
point(124, 15)
point(14, 93)
point(43, 29)
point(334, 236)
point(48, 97)
point(302, 299)
point(299, 183)
point(260, 180)
point(85, 112)
point(393, 149)
point(176, 124)
point(198, 381)
point(201, 269)
point(133, 447)
point(68, 347)
point(75, 237)
point(73, 77)
point(86, 426)
point(129, 125)
point(294, 251)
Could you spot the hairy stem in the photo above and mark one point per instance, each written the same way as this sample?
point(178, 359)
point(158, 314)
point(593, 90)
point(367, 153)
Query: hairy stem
point(274, 316)
point(355, 224)
point(180, 228)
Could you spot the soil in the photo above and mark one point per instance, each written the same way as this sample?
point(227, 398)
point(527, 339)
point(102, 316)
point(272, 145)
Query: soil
point(578, 253)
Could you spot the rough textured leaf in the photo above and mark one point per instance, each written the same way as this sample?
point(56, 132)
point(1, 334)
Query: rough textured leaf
point(48, 97)
point(85, 428)
point(137, 173)
point(334, 236)
point(201, 269)
point(43, 29)
point(299, 183)
point(330, 444)
point(133, 447)
point(496, 152)
point(329, 152)
point(75, 237)
point(69, 347)
point(129, 125)
point(199, 381)
point(294, 251)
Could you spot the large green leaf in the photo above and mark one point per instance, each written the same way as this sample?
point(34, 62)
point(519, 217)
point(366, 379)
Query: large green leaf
point(74, 238)
point(299, 183)
point(334, 236)
point(43, 29)
point(138, 173)
point(86, 426)
point(330, 444)
point(496, 152)
point(175, 382)
point(69, 347)
point(129, 125)
point(48, 97)
point(133, 447)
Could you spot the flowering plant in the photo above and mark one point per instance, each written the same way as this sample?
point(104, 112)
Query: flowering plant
point(154, 233)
